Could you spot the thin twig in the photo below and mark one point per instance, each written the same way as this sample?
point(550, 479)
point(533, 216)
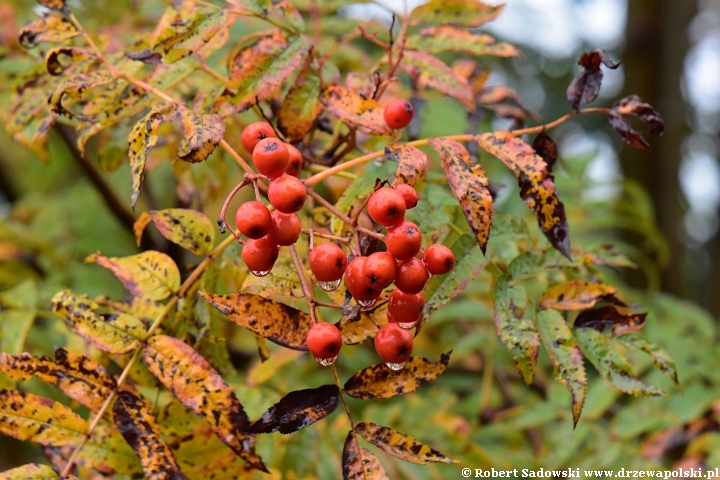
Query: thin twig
point(342, 398)
point(307, 291)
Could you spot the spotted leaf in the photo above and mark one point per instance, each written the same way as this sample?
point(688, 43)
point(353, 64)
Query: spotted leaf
point(358, 463)
point(354, 110)
point(51, 28)
point(202, 133)
point(400, 445)
point(188, 228)
point(428, 71)
point(610, 317)
point(660, 357)
point(107, 452)
point(74, 87)
point(298, 410)
point(149, 274)
point(467, 13)
point(30, 471)
point(578, 295)
point(447, 38)
point(412, 163)
point(58, 59)
point(301, 106)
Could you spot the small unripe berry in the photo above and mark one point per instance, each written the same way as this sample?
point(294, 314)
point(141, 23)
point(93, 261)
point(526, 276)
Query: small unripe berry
point(408, 193)
point(398, 113)
point(438, 259)
point(253, 219)
point(285, 228)
point(324, 340)
point(260, 255)
point(328, 262)
point(411, 276)
point(270, 157)
point(386, 207)
point(404, 241)
point(287, 194)
point(393, 344)
point(255, 132)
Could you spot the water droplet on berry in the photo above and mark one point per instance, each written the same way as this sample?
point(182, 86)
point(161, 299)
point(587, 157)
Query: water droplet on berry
point(366, 303)
point(326, 362)
point(330, 286)
point(396, 366)
point(259, 273)
point(408, 325)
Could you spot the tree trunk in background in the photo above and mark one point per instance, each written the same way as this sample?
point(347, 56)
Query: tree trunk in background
point(657, 42)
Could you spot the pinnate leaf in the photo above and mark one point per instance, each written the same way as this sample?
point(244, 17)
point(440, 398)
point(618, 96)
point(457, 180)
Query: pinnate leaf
point(468, 13)
point(30, 471)
point(188, 228)
point(51, 28)
point(428, 71)
point(536, 186)
point(114, 333)
point(660, 357)
point(278, 323)
point(201, 389)
point(301, 105)
point(298, 410)
point(447, 38)
point(354, 110)
point(584, 88)
point(609, 316)
point(36, 419)
point(149, 274)
point(578, 295)
point(412, 163)
point(79, 377)
point(378, 381)
point(565, 356)
point(469, 184)
point(400, 445)
point(611, 364)
point(358, 463)
point(515, 329)
point(137, 424)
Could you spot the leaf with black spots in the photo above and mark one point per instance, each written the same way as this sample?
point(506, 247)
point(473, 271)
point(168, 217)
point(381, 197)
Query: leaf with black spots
point(537, 189)
point(149, 274)
point(188, 228)
point(51, 28)
point(578, 295)
point(30, 471)
point(354, 109)
point(74, 87)
point(301, 106)
point(278, 323)
point(358, 463)
point(428, 71)
point(201, 389)
point(59, 59)
point(137, 424)
point(298, 410)
point(412, 163)
point(378, 381)
point(611, 364)
point(469, 184)
point(584, 88)
point(466, 13)
point(565, 356)
point(36, 419)
point(400, 445)
point(202, 133)
point(610, 317)
point(515, 329)
point(660, 357)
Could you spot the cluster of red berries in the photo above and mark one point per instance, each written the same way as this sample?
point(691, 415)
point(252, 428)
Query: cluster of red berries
point(367, 276)
point(266, 232)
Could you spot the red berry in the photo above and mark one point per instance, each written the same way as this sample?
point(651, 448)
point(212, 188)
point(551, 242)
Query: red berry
point(393, 344)
point(255, 132)
point(408, 193)
point(404, 307)
point(355, 282)
point(270, 157)
point(398, 113)
point(386, 207)
point(324, 340)
point(260, 255)
point(287, 194)
point(328, 262)
point(404, 241)
point(285, 228)
point(253, 219)
point(379, 270)
point(411, 276)
point(438, 259)
point(295, 160)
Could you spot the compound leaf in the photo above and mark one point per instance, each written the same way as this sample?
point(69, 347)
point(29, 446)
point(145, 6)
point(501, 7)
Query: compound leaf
point(188, 228)
point(150, 274)
point(400, 445)
point(298, 410)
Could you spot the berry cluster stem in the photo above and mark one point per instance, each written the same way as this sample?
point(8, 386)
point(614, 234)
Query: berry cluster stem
point(341, 215)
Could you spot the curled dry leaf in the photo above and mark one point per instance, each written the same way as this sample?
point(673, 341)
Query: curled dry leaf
point(623, 127)
point(149, 274)
point(298, 410)
point(428, 71)
point(79, 377)
point(536, 186)
point(188, 228)
point(515, 329)
point(114, 333)
point(201, 389)
point(546, 148)
point(400, 445)
point(354, 110)
point(578, 295)
point(358, 463)
point(412, 163)
point(467, 13)
point(633, 105)
point(138, 426)
point(565, 356)
point(51, 28)
point(278, 323)
point(584, 88)
point(469, 184)
point(378, 381)
point(36, 419)
point(609, 316)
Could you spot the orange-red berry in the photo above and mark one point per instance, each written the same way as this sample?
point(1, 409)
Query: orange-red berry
point(438, 259)
point(379, 270)
point(295, 160)
point(260, 255)
point(393, 344)
point(285, 228)
point(253, 219)
point(328, 262)
point(404, 240)
point(386, 207)
point(404, 307)
point(255, 132)
point(270, 157)
point(398, 113)
point(355, 282)
point(411, 276)
point(287, 194)
point(324, 340)
point(408, 193)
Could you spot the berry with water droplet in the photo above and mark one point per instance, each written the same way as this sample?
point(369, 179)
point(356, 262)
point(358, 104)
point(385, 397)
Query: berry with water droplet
point(364, 295)
point(324, 340)
point(379, 270)
point(285, 228)
point(328, 262)
point(405, 307)
point(394, 344)
point(411, 276)
point(253, 219)
point(260, 255)
point(287, 194)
